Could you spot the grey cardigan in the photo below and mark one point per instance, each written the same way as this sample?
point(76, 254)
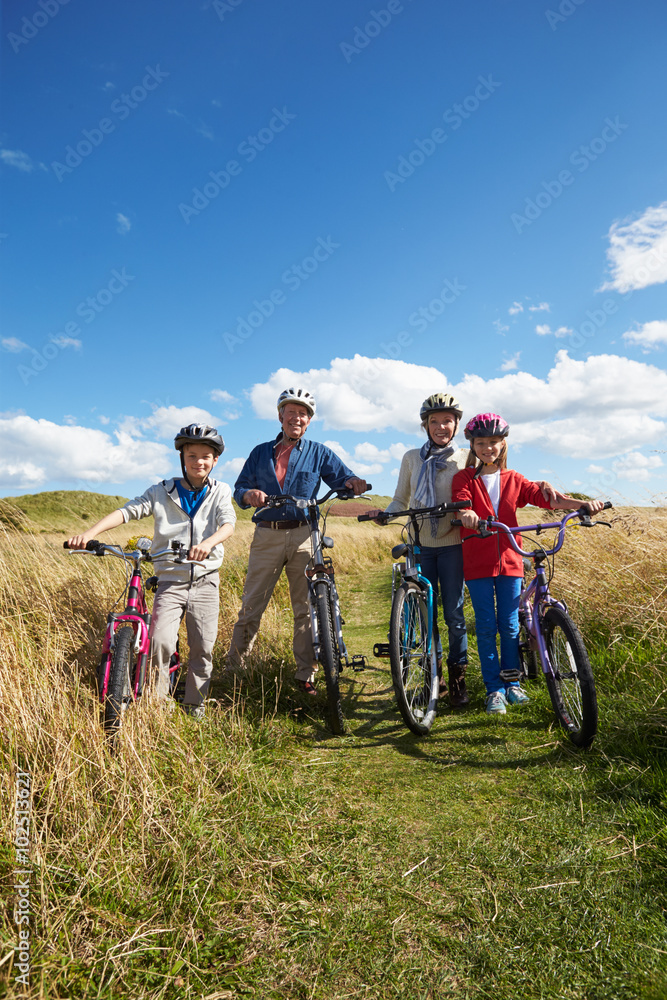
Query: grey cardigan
point(173, 524)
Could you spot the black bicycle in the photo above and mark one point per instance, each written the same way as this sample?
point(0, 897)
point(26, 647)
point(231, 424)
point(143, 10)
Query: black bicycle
point(326, 621)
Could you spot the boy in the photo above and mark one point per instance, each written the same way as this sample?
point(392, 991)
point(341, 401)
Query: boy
point(198, 512)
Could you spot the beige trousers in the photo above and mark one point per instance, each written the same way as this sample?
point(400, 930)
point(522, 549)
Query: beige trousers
point(200, 601)
point(270, 551)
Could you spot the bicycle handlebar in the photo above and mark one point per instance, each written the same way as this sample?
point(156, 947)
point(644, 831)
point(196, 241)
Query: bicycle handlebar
point(280, 499)
point(438, 511)
point(177, 550)
point(487, 526)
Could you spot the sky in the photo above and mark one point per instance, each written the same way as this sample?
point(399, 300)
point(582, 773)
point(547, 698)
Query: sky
point(205, 203)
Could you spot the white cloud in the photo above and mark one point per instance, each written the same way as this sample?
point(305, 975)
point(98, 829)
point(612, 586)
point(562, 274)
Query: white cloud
point(359, 468)
point(166, 421)
point(543, 329)
point(543, 307)
point(229, 469)
point(103, 420)
point(637, 253)
point(109, 85)
point(221, 396)
point(18, 159)
point(634, 466)
point(515, 308)
point(62, 453)
point(577, 409)
point(649, 336)
point(501, 327)
point(64, 342)
point(14, 345)
point(124, 224)
point(511, 364)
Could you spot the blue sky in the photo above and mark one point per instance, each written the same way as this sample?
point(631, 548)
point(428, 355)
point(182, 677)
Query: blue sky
point(206, 203)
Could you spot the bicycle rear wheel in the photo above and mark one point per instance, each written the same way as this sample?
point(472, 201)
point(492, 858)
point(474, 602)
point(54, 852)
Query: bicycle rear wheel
point(571, 686)
point(413, 669)
point(329, 658)
point(119, 689)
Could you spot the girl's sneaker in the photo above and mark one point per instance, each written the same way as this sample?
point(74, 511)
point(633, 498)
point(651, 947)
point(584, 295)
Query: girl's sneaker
point(495, 703)
point(515, 695)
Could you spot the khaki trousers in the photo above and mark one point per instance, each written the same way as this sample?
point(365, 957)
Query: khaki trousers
point(270, 551)
point(201, 603)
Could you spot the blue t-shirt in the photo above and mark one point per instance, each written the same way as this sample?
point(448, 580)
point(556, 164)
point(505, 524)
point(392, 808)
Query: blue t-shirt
point(190, 500)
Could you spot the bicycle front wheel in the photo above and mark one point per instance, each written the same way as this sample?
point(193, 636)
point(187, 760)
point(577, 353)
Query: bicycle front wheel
point(329, 658)
point(571, 685)
point(118, 691)
point(412, 666)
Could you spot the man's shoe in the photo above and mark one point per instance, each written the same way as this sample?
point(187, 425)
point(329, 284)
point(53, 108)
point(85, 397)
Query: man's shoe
point(196, 711)
point(458, 692)
point(495, 703)
point(515, 695)
point(307, 687)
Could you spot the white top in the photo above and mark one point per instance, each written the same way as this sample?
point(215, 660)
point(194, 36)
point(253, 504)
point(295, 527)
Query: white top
point(408, 476)
point(492, 483)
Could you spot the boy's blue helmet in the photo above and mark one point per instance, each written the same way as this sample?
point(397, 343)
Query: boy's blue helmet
point(199, 434)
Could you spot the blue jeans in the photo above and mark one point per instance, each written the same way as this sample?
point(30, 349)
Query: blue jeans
point(495, 600)
point(442, 566)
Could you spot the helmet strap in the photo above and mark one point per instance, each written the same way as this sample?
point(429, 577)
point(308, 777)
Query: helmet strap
point(195, 489)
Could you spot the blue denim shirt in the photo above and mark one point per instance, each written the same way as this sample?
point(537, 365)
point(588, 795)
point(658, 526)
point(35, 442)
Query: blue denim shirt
point(309, 464)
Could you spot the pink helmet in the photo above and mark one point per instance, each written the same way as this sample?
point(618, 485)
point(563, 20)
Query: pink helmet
point(486, 425)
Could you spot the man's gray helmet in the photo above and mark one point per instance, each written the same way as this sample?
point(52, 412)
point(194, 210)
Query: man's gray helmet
point(440, 401)
point(199, 434)
point(301, 396)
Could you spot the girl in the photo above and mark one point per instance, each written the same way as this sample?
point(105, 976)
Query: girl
point(493, 571)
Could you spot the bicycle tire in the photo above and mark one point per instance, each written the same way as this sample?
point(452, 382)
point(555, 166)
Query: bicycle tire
point(119, 690)
point(527, 655)
point(413, 673)
point(571, 685)
point(329, 658)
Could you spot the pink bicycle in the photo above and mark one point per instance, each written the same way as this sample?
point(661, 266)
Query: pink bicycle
point(122, 669)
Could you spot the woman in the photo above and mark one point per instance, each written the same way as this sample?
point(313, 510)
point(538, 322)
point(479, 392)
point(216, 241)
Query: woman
point(425, 479)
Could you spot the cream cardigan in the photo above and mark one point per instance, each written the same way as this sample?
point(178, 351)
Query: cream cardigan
point(411, 464)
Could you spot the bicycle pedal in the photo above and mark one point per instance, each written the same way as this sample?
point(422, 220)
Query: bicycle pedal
point(381, 650)
point(510, 676)
point(359, 663)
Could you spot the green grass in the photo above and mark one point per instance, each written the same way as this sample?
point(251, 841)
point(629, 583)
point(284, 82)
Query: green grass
point(257, 855)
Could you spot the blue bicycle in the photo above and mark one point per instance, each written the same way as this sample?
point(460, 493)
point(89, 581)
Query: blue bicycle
point(412, 636)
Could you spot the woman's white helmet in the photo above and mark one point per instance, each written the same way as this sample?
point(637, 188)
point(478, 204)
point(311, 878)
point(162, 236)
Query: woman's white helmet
point(300, 396)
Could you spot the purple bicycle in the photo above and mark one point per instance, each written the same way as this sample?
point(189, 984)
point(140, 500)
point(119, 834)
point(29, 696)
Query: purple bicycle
point(546, 628)
point(121, 673)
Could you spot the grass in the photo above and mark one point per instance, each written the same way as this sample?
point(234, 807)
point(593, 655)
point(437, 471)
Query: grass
point(256, 855)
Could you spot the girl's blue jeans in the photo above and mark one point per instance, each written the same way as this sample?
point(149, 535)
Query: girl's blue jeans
point(495, 600)
point(442, 566)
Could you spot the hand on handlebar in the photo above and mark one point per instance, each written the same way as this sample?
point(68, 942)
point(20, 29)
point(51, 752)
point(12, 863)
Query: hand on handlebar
point(375, 514)
point(256, 498)
point(77, 541)
point(468, 519)
point(358, 486)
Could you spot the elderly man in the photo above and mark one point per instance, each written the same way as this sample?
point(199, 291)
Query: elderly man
point(289, 464)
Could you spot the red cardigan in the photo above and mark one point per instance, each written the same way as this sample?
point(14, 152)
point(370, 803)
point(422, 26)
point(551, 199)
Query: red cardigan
point(494, 556)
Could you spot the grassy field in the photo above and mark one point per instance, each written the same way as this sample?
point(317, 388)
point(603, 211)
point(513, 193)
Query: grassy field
point(256, 855)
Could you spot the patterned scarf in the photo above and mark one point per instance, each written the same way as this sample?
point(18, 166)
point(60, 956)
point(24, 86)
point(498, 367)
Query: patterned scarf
point(433, 459)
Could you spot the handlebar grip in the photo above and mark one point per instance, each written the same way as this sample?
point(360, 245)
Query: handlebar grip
point(607, 505)
point(456, 522)
point(364, 517)
point(65, 545)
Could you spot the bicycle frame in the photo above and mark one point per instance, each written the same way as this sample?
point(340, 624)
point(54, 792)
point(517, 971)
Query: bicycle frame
point(536, 598)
